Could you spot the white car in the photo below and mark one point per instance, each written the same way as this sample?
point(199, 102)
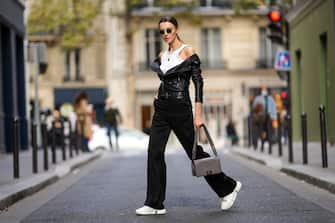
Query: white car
point(129, 139)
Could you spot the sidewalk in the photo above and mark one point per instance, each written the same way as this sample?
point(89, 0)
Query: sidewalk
point(312, 173)
point(12, 190)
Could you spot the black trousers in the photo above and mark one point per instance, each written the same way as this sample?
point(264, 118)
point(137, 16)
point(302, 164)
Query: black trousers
point(176, 115)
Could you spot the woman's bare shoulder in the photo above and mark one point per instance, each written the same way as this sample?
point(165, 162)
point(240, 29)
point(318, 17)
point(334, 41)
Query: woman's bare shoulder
point(187, 52)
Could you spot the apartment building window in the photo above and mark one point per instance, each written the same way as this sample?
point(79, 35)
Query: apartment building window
point(153, 46)
point(267, 50)
point(72, 58)
point(216, 3)
point(211, 48)
point(77, 64)
point(67, 66)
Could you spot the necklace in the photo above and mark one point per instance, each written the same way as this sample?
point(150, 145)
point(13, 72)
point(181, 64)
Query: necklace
point(169, 54)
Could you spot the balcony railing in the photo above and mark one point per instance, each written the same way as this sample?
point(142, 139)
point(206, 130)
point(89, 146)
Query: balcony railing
point(67, 78)
point(223, 4)
point(226, 4)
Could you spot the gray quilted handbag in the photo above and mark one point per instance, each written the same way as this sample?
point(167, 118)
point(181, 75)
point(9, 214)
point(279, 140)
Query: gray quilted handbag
point(205, 166)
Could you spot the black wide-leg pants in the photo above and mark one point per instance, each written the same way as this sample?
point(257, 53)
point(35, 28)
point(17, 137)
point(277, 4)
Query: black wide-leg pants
point(176, 115)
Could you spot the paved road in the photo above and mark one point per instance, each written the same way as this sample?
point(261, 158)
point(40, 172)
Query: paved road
point(115, 187)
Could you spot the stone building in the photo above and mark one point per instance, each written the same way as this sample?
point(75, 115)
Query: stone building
point(312, 48)
point(236, 59)
point(12, 74)
point(73, 70)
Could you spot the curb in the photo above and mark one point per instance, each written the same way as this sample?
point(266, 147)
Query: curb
point(310, 179)
point(9, 194)
point(291, 171)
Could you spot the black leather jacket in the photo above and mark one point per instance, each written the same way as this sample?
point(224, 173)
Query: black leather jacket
point(175, 82)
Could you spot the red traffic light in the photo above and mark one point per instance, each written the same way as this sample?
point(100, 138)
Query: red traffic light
point(275, 16)
point(284, 95)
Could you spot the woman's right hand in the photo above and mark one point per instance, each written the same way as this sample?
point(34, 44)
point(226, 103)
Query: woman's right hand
point(156, 97)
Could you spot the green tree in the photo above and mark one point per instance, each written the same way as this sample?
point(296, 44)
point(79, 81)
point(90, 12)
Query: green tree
point(69, 21)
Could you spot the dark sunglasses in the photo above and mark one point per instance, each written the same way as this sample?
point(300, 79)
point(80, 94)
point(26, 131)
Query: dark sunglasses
point(162, 31)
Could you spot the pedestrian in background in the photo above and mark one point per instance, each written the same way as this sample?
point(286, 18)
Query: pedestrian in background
point(173, 111)
point(231, 132)
point(112, 118)
point(264, 114)
point(84, 119)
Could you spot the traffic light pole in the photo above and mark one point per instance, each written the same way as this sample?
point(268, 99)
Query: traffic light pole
point(289, 107)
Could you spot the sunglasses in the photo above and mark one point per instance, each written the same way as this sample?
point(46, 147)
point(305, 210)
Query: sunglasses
point(168, 31)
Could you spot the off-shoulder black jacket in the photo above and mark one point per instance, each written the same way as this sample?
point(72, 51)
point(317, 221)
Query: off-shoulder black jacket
point(175, 82)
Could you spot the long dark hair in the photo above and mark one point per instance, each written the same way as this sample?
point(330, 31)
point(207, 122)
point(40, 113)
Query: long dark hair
point(172, 20)
point(80, 96)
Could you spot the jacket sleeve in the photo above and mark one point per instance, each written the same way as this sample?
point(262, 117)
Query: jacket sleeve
point(197, 79)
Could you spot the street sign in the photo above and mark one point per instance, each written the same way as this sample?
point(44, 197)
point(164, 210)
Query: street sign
point(283, 61)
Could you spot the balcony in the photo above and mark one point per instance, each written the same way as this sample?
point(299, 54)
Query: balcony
point(79, 78)
point(223, 4)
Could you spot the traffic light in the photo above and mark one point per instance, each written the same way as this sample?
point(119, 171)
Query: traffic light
point(285, 99)
point(275, 27)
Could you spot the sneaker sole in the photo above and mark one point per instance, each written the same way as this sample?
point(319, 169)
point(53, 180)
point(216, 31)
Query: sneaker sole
point(238, 187)
point(157, 212)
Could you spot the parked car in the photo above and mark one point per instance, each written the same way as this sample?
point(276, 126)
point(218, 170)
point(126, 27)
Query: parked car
point(129, 139)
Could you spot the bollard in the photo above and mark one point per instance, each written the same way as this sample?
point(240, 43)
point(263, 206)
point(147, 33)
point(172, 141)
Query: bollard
point(290, 150)
point(82, 135)
point(75, 138)
point(304, 138)
point(249, 131)
point(323, 131)
point(53, 143)
point(63, 140)
point(45, 145)
point(70, 139)
point(269, 133)
point(16, 150)
point(34, 144)
point(280, 128)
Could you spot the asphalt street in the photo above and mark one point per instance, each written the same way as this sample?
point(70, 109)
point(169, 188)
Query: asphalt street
point(114, 186)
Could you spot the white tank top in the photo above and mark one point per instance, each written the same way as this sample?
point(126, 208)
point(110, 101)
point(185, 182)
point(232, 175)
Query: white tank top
point(171, 59)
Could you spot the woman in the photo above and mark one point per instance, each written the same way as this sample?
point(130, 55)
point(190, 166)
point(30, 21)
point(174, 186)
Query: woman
point(173, 111)
point(84, 119)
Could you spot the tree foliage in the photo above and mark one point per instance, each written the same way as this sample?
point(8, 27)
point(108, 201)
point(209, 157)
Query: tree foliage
point(70, 21)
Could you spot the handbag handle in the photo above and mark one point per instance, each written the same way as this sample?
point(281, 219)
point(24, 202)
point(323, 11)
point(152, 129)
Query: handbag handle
point(196, 136)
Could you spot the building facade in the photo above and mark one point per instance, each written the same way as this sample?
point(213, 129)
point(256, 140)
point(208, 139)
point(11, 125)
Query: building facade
point(12, 74)
point(73, 70)
point(312, 46)
point(237, 60)
point(236, 57)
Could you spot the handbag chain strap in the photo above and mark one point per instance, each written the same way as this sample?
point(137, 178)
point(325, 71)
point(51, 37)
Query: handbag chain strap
point(196, 137)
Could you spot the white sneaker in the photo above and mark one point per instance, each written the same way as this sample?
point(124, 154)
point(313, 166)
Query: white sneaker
point(146, 210)
point(228, 201)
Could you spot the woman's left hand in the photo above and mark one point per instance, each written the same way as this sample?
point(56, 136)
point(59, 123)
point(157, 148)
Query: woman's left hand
point(197, 122)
